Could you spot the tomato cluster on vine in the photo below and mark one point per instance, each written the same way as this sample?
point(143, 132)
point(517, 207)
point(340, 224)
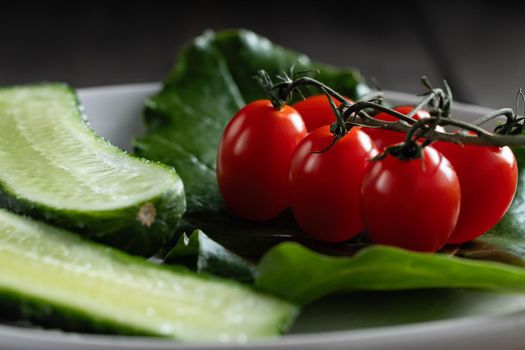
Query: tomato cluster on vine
point(339, 183)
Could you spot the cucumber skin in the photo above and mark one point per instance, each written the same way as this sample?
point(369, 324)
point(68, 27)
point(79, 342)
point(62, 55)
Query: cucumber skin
point(16, 306)
point(118, 228)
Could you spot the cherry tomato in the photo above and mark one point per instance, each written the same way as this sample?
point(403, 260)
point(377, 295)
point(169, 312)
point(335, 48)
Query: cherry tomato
point(413, 204)
point(324, 187)
point(384, 138)
point(254, 158)
point(316, 111)
point(488, 177)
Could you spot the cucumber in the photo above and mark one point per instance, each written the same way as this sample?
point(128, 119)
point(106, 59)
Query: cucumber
point(54, 167)
point(51, 276)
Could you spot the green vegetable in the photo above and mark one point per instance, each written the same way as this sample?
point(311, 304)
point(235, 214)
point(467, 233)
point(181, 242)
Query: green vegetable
point(296, 273)
point(203, 254)
point(53, 277)
point(300, 275)
point(54, 167)
point(252, 240)
point(211, 81)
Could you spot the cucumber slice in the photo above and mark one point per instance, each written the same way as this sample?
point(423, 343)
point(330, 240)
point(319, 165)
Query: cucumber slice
point(54, 167)
point(50, 275)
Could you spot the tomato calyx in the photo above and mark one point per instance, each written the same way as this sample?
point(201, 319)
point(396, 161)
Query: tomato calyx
point(403, 151)
point(339, 128)
point(274, 95)
point(514, 124)
point(412, 148)
point(282, 92)
point(338, 132)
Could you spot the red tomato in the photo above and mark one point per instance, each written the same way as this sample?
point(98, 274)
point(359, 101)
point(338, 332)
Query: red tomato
point(488, 177)
point(316, 111)
point(324, 187)
point(409, 204)
point(384, 138)
point(254, 158)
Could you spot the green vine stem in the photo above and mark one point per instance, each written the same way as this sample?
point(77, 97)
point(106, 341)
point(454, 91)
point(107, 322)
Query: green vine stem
point(502, 112)
point(482, 137)
point(438, 101)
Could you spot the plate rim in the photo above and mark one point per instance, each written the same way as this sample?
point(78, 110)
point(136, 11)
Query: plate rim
point(450, 331)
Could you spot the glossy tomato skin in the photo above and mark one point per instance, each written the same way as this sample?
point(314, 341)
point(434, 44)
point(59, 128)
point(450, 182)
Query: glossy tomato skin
point(488, 177)
point(316, 111)
point(409, 204)
point(384, 138)
point(254, 157)
point(324, 187)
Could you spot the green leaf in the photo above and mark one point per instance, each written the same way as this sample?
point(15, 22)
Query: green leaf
point(201, 253)
point(301, 275)
point(211, 80)
point(252, 240)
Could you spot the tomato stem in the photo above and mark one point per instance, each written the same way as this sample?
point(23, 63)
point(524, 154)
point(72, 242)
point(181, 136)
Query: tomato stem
point(437, 100)
point(502, 112)
point(265, 82)
point(514, 124)
point(286, 87)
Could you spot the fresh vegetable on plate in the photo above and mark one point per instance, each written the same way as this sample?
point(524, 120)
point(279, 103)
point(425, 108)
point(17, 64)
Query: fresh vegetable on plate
point(296, 273)
point(338, 188)
point(325, 183)
point(184, 136)
point(56, 278)
point(55, 168)
point(199, 252)
point(488, 178)
point(293, 272)
point(408, 172)
point(254, 157)
point(396, 193)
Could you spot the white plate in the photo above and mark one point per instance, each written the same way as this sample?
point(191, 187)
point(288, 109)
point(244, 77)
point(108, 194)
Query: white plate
point(445, 319)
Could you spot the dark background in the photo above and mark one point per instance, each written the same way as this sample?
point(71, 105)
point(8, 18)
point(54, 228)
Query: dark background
point(477, 46)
